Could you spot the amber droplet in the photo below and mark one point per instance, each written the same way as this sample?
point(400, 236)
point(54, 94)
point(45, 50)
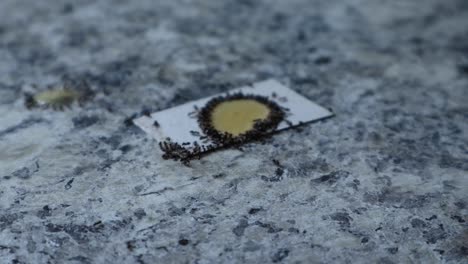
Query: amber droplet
point(60, 97)
point(56, 98)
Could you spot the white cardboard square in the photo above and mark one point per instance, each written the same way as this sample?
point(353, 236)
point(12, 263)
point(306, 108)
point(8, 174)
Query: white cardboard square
point(176, 124)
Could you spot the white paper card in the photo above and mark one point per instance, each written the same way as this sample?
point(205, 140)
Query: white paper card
point(176, 124)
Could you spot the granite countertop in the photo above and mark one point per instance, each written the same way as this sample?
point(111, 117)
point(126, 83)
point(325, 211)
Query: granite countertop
point(384, 181)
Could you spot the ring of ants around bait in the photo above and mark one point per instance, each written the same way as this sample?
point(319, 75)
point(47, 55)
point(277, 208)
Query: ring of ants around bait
point(237, 118)
point(228, 121)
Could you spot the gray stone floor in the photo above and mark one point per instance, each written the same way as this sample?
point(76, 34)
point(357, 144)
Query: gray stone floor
point(385, 181)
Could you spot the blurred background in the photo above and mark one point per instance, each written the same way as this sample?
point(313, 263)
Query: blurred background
point(385, 181)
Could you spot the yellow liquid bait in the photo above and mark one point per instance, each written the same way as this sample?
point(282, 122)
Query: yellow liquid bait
point(238, 116)
point(56, 97)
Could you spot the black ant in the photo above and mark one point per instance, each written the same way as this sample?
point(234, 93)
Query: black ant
point(194, 133)
point(276, 162)
point(146, 112)
point(194, 113)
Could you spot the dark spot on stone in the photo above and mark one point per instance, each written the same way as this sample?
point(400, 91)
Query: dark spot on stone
point(139, 213)
point(379, 164)
point(435, 234)
point(107, 163)
point(301, 36)
point(463, 69)
point(449, 161)
point(405, 229)
point(418, 223)
point(280, 255)
point(342, 218)
point(293, 230)
point(12, 250)
point(275, 178)
point(315, 245)
point(392, 197)
point(364, 240)
point(385, 260)
point(332, 177)
point(460, 204)
point(113, 224)
point(128, 122)
point(317, 165)
point(67, 8)
point(159, 248)
point(113, 141)
point(102, 153)
point(416, 40)
point(250, 246)
point(53, 228)
point(219, 175)
point(81, 259)
point(77, 171)
point(392, 250)
point(458, 218)
point(130, 245)
point(463, 251)
point(255, 210)
point(240, 228)
point(174, 211)
point(305, 80)
point(45, 212)
point(31, 245)
point(205, 218)
point(279, 172)
point(138, 188)
point(22, 173)
point(277, 163)
point(378, 228)
point(360, 131)
point(81, 122)
point(269, 226)
point(322, 60)
point(183, 242)
point(440, 251)
point(431, 218)
point(417, 201)
point(83, 233)
point(125, 148)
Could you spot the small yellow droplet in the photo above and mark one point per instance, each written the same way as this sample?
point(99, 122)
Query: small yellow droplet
point(59, 97)
point(238, 116)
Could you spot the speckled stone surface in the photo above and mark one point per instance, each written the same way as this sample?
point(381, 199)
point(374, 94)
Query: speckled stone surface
point(385, 181)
